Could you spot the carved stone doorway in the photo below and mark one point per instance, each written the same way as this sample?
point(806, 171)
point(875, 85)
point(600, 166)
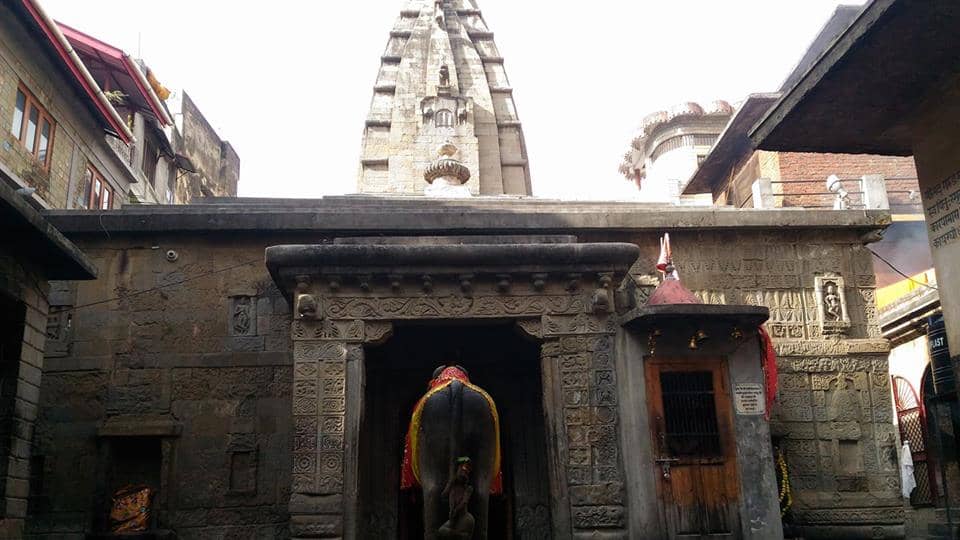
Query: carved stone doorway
point(352, 295)
point(499, 360)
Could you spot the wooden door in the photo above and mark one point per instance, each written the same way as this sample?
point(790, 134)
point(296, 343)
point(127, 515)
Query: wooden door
point(694, 448)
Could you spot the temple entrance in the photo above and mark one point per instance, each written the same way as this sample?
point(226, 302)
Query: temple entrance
point(695, 450)
point(500, 361)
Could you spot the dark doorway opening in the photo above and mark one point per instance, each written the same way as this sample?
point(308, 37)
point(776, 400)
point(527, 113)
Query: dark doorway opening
point(12, 317)
point(501, 362)
point(128, 464)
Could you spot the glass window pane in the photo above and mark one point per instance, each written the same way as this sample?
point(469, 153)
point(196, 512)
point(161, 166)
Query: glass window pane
point(45, 129)
point(97, 188)
point(107, 199)
point(83, 194)
point(17, 127)
point(32, 121)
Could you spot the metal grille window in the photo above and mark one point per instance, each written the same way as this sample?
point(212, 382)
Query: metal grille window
point(912, 420)
point(690, 414)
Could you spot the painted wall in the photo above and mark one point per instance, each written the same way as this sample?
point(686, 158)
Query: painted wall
point(936, 150)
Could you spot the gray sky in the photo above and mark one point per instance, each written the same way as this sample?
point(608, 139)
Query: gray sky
point(289, 83)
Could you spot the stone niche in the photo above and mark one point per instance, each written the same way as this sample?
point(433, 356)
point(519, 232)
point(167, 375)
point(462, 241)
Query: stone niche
point(351, 296)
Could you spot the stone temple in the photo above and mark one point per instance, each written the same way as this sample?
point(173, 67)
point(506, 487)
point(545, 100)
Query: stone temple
point(254, 363)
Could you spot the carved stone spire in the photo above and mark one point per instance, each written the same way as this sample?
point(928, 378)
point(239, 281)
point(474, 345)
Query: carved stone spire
point(442, 80)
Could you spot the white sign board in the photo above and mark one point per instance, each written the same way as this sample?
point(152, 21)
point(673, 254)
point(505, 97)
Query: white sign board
point(748, 399)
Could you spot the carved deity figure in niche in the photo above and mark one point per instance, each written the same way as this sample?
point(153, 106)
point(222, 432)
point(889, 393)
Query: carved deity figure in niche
point(241, 316)
point(444, 76)
point(833, 309)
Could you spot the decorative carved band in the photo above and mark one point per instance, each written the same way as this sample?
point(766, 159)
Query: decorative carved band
point(864, 364)
point(347, 331)
point(557, 325)
point(850, 516)
point(832, 347)
point(451, 306)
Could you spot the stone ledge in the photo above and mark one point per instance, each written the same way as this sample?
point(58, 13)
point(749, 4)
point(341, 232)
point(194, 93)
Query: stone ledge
point(137, 426)
point(360, 215)
point(287, 262)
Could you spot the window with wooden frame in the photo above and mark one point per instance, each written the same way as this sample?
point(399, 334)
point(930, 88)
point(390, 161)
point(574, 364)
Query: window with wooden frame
point(94, 193)
point(151, 155)
point(33, 126)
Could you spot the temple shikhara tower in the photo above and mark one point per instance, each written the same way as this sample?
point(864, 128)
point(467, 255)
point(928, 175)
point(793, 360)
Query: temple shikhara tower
point(442, 79)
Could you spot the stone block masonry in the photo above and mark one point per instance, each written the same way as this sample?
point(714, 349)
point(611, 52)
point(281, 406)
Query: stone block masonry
point(206, 364)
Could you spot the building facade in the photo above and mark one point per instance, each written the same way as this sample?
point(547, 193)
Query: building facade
point(86, 127)
point(56, 121)
point(211, 167)
point(255, 372)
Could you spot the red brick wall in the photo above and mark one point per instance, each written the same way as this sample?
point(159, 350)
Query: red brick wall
point(803, 176)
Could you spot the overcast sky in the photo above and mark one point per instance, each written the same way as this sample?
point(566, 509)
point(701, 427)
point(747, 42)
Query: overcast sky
point(289, 83)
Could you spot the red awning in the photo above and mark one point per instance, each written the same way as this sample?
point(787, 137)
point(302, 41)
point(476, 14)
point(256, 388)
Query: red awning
point(114, 70)
point(75, 66)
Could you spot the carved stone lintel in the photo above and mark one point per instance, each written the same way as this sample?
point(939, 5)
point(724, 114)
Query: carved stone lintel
point(307, 307)
point(377, 332)
point(466, 283)
point(539, 281)
point(603, 301)
point(396, 281)
point(334, 283)
point(532, 328)
point(427, 284)
point(364, 282)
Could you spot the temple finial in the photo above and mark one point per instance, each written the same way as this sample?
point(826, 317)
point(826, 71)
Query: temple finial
point(665, 262)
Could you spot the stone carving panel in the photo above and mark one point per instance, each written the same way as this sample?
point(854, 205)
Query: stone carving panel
point(556, 325)
point(243, 316)
point(451, 306)
point(589, 398)
point(831, 298)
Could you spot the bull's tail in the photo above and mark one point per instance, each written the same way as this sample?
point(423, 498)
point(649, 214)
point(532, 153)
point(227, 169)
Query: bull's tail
point(456, 428)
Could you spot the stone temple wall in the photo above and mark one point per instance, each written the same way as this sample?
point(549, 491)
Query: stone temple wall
point(833, 417)
point(204, 368)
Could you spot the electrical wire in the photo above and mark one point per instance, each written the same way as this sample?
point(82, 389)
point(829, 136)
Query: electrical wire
point(160, 287)
point(897, 270)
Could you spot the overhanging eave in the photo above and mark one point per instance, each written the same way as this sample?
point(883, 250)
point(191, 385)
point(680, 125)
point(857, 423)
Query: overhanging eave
point(860, 95)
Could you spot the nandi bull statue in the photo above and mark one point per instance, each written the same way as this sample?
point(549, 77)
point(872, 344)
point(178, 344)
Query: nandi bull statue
point(452, 451)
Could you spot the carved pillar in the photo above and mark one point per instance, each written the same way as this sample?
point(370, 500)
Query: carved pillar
point(578, 363)
point(328, 371)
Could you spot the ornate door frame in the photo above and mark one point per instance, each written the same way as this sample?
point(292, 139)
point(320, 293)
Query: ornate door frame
point(346, 297)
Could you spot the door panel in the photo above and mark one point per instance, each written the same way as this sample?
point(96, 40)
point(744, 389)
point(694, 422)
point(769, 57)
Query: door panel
point(695, 452)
